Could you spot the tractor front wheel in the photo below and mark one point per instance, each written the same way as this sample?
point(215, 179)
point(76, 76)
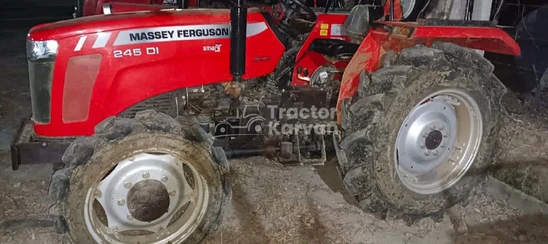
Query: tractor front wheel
point(143, 180)
point(420, 131)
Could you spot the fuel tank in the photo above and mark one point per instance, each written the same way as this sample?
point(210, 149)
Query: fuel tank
point(107, 63)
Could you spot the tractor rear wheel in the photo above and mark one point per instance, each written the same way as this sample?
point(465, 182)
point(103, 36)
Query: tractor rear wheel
point(143, 180)
point(420, 131)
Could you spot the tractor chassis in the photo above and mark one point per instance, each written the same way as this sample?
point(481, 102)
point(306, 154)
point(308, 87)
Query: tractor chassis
point(25, 149)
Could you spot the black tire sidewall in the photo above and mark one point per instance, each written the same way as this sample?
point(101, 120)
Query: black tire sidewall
point(105, 158)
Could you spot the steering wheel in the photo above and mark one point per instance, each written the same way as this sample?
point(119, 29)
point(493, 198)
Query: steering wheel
point(297, 7)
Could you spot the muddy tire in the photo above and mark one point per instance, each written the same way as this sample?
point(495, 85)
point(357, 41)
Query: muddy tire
point(377, 164)
point(176, 184)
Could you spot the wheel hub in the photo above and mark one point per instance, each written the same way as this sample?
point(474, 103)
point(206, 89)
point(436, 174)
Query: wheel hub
point(429, 129)
point(148, 200)
point(433, 140)
point(438, 141)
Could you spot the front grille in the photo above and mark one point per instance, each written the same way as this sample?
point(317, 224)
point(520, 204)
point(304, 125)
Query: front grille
point(41, 76)
point(165, 103)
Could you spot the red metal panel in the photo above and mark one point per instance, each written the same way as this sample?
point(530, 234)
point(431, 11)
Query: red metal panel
point(115, 22)
point(125, 81)
point(403, 35)
point(397, 9)
point(327, 26)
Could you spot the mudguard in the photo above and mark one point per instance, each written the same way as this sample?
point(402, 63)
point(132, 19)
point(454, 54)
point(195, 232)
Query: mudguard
point(395, 36)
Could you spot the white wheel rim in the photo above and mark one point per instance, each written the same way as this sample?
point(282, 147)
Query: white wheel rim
point(132, 198)
point(438, 141)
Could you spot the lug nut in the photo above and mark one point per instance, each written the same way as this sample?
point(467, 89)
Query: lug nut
point(440, 127)
point(172, 193)
point(432, 127)
point(421, 145)
point(164, 178)
point(121, 202)
point(129, 217)
point(425, 135)
point(146, 175)
point(436, 153)
point(427, 153)
point(127, 185)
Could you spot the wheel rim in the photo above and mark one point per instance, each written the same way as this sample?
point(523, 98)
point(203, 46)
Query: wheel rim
point(438, 141)
point(407, 7)
point(149, 197)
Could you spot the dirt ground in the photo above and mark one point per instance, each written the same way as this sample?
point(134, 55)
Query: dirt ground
point(271, 203)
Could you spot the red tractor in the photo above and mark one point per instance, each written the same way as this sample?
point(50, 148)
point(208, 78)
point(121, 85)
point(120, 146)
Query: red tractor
point(84, 8)
point(143, 109)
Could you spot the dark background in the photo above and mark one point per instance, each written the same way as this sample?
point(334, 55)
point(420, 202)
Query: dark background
point(522, 74)
point(16, 14)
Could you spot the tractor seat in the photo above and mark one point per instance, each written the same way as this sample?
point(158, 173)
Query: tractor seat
point(334, 47)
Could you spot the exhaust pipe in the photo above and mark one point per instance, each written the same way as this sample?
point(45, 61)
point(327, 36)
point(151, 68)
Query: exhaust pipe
point(238, 34)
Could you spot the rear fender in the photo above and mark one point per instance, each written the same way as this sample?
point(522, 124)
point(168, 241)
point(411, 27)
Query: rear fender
point(395, 36)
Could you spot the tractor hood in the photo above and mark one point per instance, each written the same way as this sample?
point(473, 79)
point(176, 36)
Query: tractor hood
point(104, 23)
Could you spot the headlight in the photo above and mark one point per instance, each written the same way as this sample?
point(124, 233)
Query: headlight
point(37, 50)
